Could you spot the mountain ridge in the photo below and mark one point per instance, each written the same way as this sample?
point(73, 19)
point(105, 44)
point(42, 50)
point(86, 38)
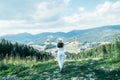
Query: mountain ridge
point(98, 33)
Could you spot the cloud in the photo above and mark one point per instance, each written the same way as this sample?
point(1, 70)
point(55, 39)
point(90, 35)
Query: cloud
point(49, 11)
point(58, 15)
point(104, 14)
point(116, 5)
point(81, 9)
point(103, 8)
point(6, 23)
point(20, 26)
point(66, 1)
point(44, 16)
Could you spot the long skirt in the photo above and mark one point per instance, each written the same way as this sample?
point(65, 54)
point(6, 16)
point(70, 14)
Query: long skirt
point(60, 57)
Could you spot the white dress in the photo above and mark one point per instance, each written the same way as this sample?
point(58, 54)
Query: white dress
point(60, 57)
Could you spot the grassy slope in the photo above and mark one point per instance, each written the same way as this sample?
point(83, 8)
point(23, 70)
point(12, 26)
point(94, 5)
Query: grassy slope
point(102, 69)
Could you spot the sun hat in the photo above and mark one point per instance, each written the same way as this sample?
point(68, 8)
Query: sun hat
point(60, 40)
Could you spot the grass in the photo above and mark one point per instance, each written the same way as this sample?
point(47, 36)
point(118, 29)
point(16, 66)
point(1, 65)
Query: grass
point(89, 69)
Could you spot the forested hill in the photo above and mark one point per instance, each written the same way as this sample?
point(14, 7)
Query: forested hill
point(103, 33)
point(8, 50)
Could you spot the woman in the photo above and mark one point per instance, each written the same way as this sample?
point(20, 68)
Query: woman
point(60, 54)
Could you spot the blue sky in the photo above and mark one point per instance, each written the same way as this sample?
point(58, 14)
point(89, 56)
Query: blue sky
point(36, 16)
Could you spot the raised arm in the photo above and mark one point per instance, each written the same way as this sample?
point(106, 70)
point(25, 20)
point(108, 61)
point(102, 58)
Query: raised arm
point(66, 43)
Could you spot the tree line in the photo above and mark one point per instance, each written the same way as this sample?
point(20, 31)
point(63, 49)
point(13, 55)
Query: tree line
point(10, 49)
point(106, 50)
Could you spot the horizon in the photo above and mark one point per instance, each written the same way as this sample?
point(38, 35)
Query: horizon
point(60, 31)
point(41, 16)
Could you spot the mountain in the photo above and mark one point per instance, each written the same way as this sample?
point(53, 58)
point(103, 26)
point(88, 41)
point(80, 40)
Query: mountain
point(21, 38)
point(104, 33)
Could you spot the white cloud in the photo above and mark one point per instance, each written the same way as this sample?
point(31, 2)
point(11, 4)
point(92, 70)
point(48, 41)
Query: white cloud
point(8, 23)
point(46, 11)
point(116, 5)
point(66, 1)
point(103, 8)
point(19, 26)
point(81, 9)
point(104, 14)
point(50, 17)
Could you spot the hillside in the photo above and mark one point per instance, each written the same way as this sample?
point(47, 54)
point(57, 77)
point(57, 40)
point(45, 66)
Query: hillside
point(91, 69)
point(101, 63)
point(104, 33)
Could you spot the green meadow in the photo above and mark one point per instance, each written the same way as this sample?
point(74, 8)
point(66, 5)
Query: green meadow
point(81, 66)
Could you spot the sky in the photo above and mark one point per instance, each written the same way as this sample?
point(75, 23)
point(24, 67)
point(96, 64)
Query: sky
point(37, 16)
